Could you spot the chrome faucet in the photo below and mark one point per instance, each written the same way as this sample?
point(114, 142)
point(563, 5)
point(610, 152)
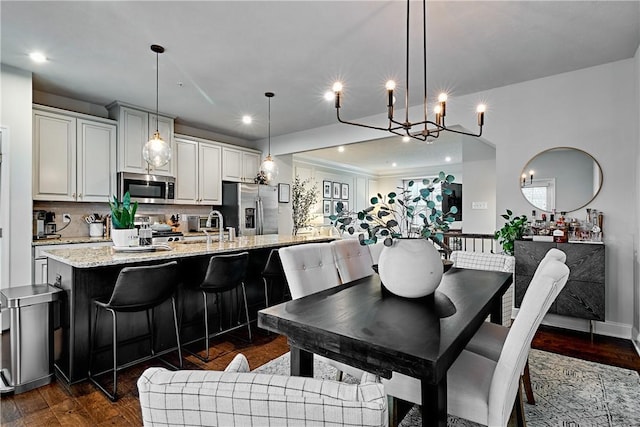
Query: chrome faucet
point(220, 223)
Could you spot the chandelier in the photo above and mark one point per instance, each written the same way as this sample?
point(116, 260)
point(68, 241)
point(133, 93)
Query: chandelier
point(426, 129)
point(156, 152)
point(268, 167)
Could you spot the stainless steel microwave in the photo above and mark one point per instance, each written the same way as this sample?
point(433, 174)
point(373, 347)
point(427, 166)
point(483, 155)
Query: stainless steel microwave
point(147, 188)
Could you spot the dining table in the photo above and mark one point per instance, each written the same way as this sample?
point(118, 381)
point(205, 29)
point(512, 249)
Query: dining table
point(362, 324)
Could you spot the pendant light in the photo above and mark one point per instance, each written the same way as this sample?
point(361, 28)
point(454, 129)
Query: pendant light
point(156, 152)
point(268, 167)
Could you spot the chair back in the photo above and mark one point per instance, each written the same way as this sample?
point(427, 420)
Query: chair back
point(273, 267)
point(375, 250)
point(352, 259)
point(552, 254)
point(483, 261)
point(225, 272)
point(144, 287)
point(309, 268)
point(541, 293)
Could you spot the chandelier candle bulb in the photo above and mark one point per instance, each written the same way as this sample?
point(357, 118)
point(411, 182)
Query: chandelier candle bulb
point(481, 109)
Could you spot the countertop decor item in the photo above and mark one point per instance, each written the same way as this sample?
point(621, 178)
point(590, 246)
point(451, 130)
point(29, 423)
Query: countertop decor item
point(123, 213)
point(426, 129)
point(409, 264)
point(511, 231)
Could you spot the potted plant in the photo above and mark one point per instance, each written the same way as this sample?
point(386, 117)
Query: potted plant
point(409, 265)
point(513, 230)
point(302, 200)
point(123, 214)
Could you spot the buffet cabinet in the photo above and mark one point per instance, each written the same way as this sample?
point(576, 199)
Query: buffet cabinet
point(584, 294)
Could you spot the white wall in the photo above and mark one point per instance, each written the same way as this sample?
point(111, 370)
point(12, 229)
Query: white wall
point(479, 187)
point(15, 116)
point(636, 249)
point(591, 109)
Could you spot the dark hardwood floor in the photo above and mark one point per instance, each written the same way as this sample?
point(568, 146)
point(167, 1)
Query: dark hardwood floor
point(53, 405)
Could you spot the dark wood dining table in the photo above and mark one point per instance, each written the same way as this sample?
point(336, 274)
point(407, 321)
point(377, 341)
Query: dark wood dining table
point(363, 325)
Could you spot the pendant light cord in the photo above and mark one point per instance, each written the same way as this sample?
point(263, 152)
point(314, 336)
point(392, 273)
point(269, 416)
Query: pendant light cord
point(269, 130)
point(157, 91)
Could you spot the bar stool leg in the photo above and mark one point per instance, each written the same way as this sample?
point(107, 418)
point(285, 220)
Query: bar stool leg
point(115, 355)
point(206, 326)
point(266, 293)
point(246, 310)
point(91, 342)
point(150, 329)
point(175, 323)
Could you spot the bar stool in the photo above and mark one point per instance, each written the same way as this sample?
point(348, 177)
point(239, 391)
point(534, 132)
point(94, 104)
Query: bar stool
point(273, 272)
point(137, 289)
point(224, 273)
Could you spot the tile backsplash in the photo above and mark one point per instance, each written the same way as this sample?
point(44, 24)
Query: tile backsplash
point(78, 210)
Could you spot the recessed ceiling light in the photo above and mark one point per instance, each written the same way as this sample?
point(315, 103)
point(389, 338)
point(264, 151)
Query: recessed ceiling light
point(38, 57)
point(341, 149)
point(447, 159)
point(394, 164)
point(247, 119)
point(406, 139)
point(329, 96)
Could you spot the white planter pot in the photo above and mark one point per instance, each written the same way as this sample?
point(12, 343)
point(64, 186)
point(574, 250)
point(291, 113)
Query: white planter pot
point(410, 268)
point(124, 236)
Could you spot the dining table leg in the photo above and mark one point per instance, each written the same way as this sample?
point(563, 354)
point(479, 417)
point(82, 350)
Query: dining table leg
point(434, 403)
point(301, 362)
point(496, 310)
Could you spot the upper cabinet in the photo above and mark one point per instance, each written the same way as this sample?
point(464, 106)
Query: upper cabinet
point(135, 127)
point(198, 171)
point(74, 156)
point(239, 165)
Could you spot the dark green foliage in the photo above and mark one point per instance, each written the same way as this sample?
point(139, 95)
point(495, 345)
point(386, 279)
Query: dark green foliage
point(123, 214)
point(511, 231)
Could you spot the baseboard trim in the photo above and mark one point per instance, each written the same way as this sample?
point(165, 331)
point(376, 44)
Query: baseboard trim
point(636, 340)
point(608, 328)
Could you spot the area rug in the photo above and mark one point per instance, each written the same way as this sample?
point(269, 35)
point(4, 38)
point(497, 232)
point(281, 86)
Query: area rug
point(569, 392)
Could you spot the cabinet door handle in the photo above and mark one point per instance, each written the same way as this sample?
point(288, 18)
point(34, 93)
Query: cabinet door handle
point(73, 195)
point(80, 196)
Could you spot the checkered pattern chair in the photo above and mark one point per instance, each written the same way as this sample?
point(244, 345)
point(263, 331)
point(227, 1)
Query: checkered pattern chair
point(493, 262)
point(237, 397)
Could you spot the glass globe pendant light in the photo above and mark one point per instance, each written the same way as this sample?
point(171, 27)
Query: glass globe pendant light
point(156, 152)
point(268, 167)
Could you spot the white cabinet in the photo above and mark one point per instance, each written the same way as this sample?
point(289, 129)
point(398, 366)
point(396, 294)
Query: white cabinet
point(73, 156)
point(198, 172)
point(135, 128)
point(239, 165)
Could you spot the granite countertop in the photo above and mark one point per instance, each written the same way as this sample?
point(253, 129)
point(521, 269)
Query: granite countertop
point(69, 240)
point(106, 255)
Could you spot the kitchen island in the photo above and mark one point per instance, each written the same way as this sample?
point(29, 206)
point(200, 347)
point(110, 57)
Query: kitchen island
point(88, 273)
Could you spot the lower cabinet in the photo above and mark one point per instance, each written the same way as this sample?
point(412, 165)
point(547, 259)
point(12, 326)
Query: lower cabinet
point(584, 294)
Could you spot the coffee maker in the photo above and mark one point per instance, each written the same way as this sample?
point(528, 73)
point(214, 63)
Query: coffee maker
point(44, 224)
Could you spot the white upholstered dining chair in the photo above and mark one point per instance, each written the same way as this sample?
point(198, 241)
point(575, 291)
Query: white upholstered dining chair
point(352, 259)
point(483, 390)
point(311, 268)
point(489, 339)
point(237, 397)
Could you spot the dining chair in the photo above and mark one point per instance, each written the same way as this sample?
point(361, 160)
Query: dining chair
point(352, 259)
point(489, 339)
point(310, 268)
point(237, 397)
point(483, 390)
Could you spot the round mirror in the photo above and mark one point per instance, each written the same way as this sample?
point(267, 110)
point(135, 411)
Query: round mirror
point(564, 178)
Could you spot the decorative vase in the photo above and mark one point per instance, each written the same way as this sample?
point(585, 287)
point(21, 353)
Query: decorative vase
point(410, 268)
point(124, 236)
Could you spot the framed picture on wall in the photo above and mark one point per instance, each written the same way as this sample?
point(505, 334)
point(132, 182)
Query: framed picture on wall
point(336, 190)
point(326, 189)
point(345, 191)
point(326, 207)
point(345, 206)
point(335, 205)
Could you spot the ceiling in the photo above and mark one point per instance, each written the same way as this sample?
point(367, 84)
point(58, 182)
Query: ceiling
point(221, 56)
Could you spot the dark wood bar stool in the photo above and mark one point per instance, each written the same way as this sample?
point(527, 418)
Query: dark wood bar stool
point(137, 289)
point(225, 273)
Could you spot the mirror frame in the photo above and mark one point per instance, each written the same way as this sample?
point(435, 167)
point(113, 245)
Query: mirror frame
point(526, 168)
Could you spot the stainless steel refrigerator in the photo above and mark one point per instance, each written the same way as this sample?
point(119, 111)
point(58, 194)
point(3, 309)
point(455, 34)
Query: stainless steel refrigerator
point(251, 208)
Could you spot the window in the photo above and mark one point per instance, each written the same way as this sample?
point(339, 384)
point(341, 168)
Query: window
point(541, 193)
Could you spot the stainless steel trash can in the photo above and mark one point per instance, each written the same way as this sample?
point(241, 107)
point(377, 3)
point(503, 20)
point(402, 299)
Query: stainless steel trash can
point(27, 363)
